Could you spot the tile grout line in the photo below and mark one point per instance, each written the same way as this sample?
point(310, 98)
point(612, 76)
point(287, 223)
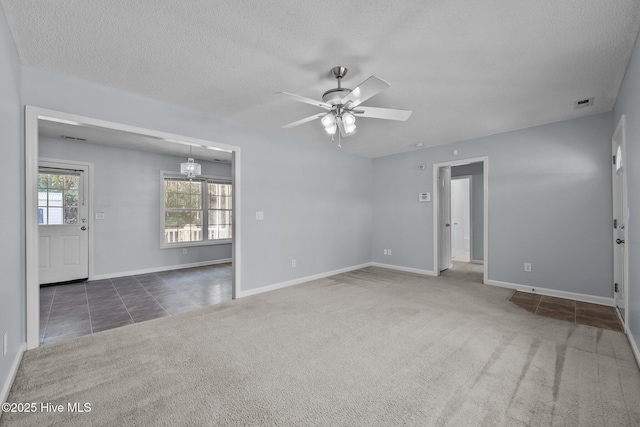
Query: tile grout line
point(86, 295)
point(154, 298)
point(44, 333)
point(122, 301)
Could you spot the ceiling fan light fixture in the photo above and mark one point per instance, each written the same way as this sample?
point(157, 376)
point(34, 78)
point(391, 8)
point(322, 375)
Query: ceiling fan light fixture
point(331, 130)
point(328, 120)
point(349, 119)
point(349, 129)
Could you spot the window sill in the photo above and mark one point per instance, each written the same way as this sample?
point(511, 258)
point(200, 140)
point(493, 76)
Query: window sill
point(195, 244)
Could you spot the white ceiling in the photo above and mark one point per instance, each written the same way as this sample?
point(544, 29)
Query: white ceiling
point(466, 69)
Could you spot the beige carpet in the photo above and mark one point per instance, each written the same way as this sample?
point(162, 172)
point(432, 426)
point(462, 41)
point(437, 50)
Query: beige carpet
point(367, 348)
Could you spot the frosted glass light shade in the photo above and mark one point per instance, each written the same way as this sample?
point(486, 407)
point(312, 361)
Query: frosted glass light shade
point(190, 168)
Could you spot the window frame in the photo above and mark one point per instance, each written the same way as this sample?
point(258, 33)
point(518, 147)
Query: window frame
point(204, 210)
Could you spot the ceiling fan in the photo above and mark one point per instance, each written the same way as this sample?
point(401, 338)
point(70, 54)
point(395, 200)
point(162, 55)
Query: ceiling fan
point(343, 105)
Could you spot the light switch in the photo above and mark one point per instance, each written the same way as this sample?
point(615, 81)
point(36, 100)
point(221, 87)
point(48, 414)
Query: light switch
point(259, 215)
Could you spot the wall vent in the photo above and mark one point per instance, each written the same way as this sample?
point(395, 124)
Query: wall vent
point(72, 138)
point(588, 102)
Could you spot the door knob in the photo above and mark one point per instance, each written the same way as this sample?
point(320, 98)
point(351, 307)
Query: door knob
point(83, 228)
point(619, 241)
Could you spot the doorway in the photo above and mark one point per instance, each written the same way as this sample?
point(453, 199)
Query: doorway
point(461, 218)
point(461, 215)
point(64, 206)
point(152, 140)
point(620, 214)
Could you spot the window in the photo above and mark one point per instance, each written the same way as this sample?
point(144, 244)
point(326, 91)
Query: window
point(196, 212)
point(58, 198)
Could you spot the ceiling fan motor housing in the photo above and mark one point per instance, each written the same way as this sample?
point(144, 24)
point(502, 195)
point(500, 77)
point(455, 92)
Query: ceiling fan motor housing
point(334, 96)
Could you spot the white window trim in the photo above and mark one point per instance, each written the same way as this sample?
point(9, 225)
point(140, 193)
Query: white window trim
point(172, 174)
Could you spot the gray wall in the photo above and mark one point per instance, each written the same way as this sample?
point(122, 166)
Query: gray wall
point(549, 204)
point(316, 198)
point(127, 189)
point(477, 206)
point(12, 272)
point(629, 104)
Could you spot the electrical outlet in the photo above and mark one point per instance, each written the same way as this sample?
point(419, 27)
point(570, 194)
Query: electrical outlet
point(260, 215)
point(5, 344)
point(184, 251)
point(388, 251)
point(293, 263)
point(385, 251)
point(527, 267)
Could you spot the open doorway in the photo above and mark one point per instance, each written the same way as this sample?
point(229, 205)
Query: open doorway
point(461, 216)
point(222, 211)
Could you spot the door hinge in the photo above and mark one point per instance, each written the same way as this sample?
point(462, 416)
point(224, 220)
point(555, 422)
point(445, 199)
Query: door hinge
point(614, 160)
point(615, 223)
point(615, 287)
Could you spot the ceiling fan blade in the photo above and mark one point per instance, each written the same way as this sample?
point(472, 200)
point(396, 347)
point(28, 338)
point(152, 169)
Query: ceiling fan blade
point(382, 113)
point(305, 100)
point(368, 88)
point(305, 120)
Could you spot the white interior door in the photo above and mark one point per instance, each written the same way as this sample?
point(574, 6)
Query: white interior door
point(62, 225)
point(460, 216)
point(444, 220)
point(619, 219)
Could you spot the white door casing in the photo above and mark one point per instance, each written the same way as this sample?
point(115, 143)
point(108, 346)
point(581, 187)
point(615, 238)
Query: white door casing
point(436, 212)
point(444, 193)
point(63, 232)
point(620, 213)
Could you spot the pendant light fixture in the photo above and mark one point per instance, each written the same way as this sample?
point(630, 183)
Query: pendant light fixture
point(190, 168)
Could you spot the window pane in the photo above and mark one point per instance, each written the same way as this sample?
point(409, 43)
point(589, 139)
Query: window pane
point(55, 216)
point(71, 198)
point(71, 182)
point(196, 201)
point(56, 182)
point(71, 215)
point(42, 181)
point(185, 226)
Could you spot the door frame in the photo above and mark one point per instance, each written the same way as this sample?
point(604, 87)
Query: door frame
point(87, 169)
point(436, 238)
point(33, 115)
point(470, 178)
point(620, 130)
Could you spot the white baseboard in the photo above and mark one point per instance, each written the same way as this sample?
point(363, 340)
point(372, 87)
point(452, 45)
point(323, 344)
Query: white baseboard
point(553, 293)
point(406, 269)
point(477, 261)
point(157, 269)
point(293, 282)
point(6, 387)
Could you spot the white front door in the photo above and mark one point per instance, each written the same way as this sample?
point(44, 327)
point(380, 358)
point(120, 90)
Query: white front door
point(619, 219)
point(63, 239)
point(444, 220)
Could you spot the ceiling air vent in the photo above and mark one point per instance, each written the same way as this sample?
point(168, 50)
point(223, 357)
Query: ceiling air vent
point(583, 103)
point(72, 138)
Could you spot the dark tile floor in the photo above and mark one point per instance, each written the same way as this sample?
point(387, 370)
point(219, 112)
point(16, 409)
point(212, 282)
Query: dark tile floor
point(584, 313)
point(76, 309)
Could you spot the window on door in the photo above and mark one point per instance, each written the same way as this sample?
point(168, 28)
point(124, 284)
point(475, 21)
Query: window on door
point(196, 212)
point(58, 198)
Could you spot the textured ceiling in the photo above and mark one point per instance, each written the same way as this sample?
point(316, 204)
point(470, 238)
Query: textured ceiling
point(466, 69)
